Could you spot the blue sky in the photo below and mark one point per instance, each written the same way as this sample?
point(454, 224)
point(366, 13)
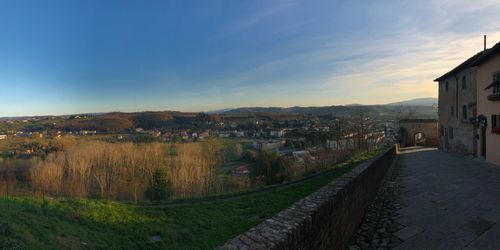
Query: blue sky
point(61, 57)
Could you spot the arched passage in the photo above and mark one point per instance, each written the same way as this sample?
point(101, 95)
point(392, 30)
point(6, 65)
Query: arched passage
point(419, 139)
point(421, 132)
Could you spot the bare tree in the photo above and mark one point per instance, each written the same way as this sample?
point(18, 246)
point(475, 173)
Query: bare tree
point(362, 127)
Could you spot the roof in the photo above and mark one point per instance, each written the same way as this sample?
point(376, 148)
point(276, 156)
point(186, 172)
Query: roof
point(493, 51)
point(467, 63)
point(473, 61)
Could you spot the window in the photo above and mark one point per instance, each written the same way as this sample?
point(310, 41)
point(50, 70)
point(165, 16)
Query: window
point(495, 126)
point(464, 112)
point(452, 110)
point(496, 82)
point(496, 76)
point(450, 132)
point(446, 86)
point(464, 83)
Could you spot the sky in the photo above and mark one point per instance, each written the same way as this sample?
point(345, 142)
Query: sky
point(82, 56)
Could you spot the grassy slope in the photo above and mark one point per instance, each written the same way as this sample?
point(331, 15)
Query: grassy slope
point(74, 223)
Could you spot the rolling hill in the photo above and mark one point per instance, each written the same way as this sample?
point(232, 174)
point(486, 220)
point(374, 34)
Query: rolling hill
point(428, 101)
point(120, 121)
point(386, 111)
point(422, 108)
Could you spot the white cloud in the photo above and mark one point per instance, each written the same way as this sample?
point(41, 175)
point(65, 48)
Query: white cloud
point(396, 62)
point(254, 18)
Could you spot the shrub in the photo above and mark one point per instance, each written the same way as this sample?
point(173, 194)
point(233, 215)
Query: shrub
point(238, 149)
point(11, 244)
point(271, 168)
point(159, 186)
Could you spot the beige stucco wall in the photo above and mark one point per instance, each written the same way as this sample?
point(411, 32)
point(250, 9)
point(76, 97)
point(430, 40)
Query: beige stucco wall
point(487, 108)
point(463, 140)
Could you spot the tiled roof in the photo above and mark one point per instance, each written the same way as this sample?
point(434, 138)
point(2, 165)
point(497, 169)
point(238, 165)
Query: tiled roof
point(475, 60)
point(467, 63)
point(486, 56)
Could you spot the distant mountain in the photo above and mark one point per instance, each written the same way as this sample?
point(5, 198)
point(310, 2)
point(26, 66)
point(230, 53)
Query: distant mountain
point(388, 111)
point(219, 111)
point(422, 107)
point(117, 121)
point(428, 101)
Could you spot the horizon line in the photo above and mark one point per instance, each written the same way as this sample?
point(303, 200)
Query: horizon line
point(207, 111)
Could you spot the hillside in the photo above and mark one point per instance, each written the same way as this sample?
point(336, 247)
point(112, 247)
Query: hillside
point(118, 121)
point(36, 223)
point(428, 101)
point(386, 111)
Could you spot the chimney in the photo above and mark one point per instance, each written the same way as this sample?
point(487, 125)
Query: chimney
point(484, 42)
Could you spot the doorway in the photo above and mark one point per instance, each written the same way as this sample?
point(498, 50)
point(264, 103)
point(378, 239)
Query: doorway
point(419, 139)
point(446, 140)
point(483, 142)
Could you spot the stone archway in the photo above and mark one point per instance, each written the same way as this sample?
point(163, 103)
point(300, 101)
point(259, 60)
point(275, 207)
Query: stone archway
point(421, 132)
point(419, 139)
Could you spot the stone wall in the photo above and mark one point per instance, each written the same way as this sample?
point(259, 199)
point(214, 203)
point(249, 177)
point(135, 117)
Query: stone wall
point(326, 219)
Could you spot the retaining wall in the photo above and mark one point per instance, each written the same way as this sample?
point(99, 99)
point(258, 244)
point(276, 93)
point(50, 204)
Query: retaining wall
point(326, 219)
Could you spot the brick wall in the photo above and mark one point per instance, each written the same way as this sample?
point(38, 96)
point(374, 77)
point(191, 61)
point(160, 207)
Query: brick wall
point(326, 219)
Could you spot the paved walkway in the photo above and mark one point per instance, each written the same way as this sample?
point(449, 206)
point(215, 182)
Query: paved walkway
point(448, 202)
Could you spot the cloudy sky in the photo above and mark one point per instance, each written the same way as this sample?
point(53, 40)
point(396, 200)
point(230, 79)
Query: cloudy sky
point(61, 57)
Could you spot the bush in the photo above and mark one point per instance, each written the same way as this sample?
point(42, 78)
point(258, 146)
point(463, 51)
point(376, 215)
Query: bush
point(159, 186)
point(6, 229)
point(11, 244)
point(271, 168)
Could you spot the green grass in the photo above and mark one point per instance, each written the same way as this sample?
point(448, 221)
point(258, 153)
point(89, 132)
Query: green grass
point(78, 223)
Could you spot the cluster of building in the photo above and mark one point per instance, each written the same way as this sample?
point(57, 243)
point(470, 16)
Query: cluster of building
point(351, 141)
point(81, 132)
point(27, 134)
point(469, 106)
point(168, 136)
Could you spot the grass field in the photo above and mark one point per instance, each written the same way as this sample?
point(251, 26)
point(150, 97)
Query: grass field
point(80, 224)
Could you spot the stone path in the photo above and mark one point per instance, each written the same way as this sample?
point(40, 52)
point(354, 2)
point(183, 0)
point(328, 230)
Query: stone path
point(447, 202)
point(379, 224)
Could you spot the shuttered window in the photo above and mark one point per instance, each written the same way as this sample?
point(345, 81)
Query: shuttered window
point(496, 82)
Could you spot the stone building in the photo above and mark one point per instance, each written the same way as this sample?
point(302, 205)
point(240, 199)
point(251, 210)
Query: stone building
point(469, 106)
point(457, 108)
